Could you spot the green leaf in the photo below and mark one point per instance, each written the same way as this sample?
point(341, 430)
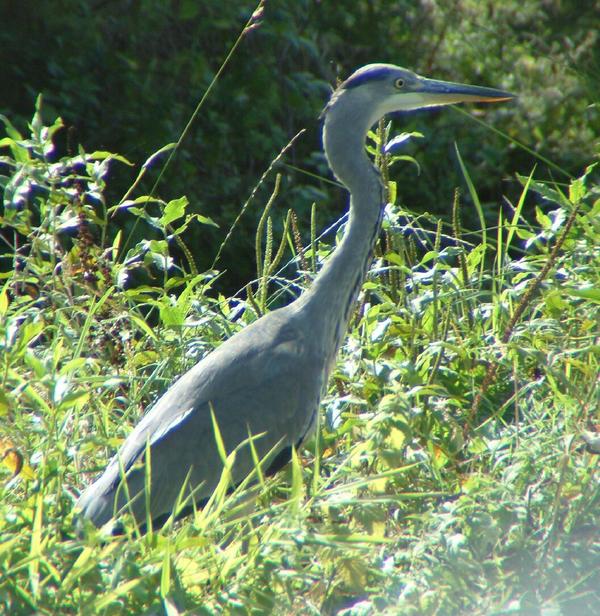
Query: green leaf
point(157, 154)
point(4, 403)
point(172, 315)
point(173, 210)
point(104, 155)
point(11, 131)
point(205, 220)
point(591, 294)
point(555, 196)
point(3, 302)
point(542, 218)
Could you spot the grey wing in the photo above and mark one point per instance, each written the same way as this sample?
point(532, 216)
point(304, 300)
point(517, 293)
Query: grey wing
point(278, 413)
point(266, 384)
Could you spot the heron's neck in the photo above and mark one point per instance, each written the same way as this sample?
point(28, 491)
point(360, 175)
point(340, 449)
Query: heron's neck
point(334, 291)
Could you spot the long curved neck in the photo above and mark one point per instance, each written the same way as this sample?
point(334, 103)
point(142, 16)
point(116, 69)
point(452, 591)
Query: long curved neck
point(334, 291)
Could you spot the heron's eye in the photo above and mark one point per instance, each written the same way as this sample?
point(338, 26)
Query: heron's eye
point(399, 83)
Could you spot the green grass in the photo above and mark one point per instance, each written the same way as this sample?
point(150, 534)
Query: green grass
point(448, 475)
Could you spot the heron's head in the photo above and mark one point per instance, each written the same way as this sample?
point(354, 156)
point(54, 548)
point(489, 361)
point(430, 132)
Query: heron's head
point(390, 88)
point(377, 89)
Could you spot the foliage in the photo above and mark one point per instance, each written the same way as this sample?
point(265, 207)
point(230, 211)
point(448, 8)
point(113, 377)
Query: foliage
point(125, 75)
point(412, 499)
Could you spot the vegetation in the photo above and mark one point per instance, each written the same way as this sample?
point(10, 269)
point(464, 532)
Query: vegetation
point(448, 476)
point(125, 76)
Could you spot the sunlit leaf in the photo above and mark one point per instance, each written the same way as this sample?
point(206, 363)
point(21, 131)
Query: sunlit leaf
point(10, 456)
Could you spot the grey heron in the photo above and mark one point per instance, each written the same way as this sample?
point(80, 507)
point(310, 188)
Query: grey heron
point(265, 382)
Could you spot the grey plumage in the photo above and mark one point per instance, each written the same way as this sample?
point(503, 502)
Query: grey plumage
point(268, 379)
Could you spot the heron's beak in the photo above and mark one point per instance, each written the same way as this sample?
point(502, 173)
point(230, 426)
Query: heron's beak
point(446, 93)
